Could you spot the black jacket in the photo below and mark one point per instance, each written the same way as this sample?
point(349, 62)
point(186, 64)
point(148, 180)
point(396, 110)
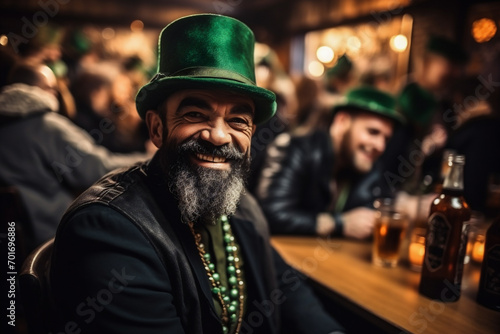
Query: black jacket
point(295, 183)
point(124, 263)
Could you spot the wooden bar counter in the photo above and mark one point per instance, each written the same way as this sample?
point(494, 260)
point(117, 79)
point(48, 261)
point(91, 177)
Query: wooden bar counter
point(384, 300)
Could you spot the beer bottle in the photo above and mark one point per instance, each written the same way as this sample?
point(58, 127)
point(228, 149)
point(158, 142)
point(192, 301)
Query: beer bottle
point(446, 238)
point(489, 284)
point(445, 167)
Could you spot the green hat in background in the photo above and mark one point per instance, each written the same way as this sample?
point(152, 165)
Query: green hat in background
point(206, 51)
point(417, 104)
point(447, 48)
point(341, 67)
point(370, 99)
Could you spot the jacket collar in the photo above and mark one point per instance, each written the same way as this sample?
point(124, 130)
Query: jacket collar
point(21, 100)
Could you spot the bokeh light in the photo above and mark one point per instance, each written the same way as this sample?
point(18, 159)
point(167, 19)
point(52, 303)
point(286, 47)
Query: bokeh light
point(353, 43)
point(108, 33)
point(137, 26)
point(325, 54)
point(399, 43)
point(316, 69)
point(483, 30)
point(4, 40)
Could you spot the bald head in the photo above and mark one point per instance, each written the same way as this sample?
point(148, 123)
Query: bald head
point(34, 75)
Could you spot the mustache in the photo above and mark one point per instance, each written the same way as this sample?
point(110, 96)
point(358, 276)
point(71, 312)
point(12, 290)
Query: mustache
point(226, 151)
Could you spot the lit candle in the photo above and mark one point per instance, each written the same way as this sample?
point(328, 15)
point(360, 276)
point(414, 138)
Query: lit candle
point(416, 252)
point(478, 249)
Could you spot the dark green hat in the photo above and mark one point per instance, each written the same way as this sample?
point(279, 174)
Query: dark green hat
point(370, 99)
point(417, 104)
point(447, 48)
point(341, 67)
point(206, 51)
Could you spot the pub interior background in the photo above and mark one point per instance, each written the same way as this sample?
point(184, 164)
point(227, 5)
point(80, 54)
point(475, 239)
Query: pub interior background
point(384, 39)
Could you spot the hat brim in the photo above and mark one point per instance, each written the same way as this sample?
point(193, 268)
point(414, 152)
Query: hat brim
point(376, 109)
point(155, 92)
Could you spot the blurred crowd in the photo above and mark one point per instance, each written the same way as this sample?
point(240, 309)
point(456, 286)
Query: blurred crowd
point(51, 159)
point(446, 108)
point(67, 117)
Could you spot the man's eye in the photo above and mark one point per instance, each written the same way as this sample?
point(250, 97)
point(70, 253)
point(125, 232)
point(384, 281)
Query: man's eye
point(194, 115)
point(239, 122)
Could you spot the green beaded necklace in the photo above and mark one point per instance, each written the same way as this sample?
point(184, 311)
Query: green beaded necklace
point(232, 300)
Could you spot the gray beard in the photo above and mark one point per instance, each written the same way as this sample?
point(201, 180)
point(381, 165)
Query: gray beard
point(205, 194)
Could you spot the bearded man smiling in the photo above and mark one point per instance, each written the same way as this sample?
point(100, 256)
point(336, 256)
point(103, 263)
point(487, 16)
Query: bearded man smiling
point(174, 245)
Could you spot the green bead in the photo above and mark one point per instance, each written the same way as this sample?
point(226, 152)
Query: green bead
point(231, 309)
point(232, 280)
point(226, 227)
point(215, 290)
point(211, 266)
point(235, 303)
point(234, 293)
point(230, 258)
point(233, 317)
point(226, 299)
point(223, 218)
point(229, 249)
point(231, 269)
point(227, 238)
point(207, 256)
point(224, 329)
point(216, 276)
point(223, 289)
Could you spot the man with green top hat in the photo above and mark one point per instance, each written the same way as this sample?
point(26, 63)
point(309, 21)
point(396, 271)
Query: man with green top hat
point(173, 245)
point(324, 183)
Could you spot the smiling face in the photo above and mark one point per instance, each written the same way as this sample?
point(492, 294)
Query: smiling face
point(364, 137)
point(215, 117)
point(204, 141)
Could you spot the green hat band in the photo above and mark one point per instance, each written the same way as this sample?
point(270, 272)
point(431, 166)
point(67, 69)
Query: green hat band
point(210, 72)
point(372, 100)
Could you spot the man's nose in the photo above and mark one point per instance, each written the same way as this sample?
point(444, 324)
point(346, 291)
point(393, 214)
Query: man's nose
point(216, 133)
point(379, 144)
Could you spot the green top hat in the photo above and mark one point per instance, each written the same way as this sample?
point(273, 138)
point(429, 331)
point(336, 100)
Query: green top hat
point(341, 68)
point(370, 99)
point(447, 48)
point(417, 104)
point(206, 51)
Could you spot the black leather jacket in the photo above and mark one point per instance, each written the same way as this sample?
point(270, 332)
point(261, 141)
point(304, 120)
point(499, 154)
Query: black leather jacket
point(295, 183)
point(129, 223)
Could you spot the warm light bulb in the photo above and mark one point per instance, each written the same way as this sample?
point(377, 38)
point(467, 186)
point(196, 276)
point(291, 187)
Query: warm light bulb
point(108, 33)
point(316, 69)
point(483, 30)
point(325, 54)
point(353, 43)
point(4, 40)
point(399, 43)
point(136, 26)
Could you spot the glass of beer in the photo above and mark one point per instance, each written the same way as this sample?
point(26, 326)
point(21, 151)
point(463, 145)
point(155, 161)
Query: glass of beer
point(388, 234)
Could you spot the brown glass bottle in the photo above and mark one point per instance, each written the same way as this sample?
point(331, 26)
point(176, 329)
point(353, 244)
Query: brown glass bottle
point(446, 238)
point(489, 285)
point(445, 168)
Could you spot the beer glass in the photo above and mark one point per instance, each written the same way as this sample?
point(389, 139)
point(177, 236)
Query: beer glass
point(388, 234)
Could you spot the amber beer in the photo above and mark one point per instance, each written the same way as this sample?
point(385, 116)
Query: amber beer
point(489, 285)
point(388, 234)
point(446, 239)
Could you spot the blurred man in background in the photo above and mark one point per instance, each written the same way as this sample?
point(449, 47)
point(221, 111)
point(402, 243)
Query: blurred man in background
point(324, 183)
point(48, 159)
